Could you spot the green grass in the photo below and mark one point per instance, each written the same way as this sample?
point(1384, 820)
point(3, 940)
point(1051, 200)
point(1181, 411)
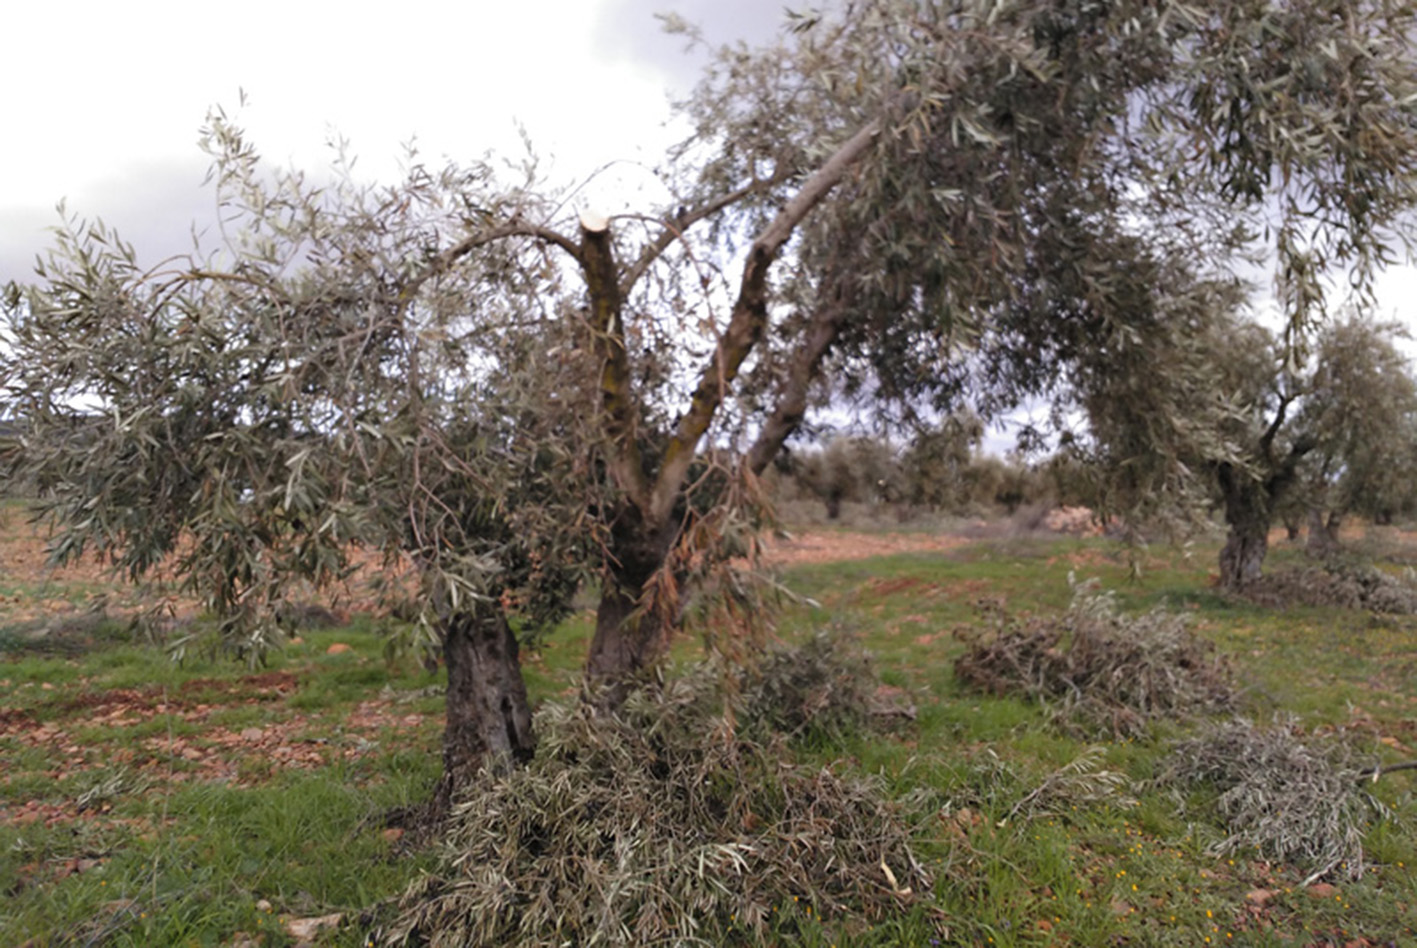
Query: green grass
point(1135, 874)
point(163, 825)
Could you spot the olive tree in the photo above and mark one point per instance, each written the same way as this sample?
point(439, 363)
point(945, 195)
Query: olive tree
point(320, 389)
point(1329, 435)
point(1266, 434)
point(1361, 405)
point(900, 200)
point(936, 463)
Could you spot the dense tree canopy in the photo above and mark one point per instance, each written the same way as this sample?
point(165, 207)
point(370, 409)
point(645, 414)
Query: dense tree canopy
point(912, 200)
point(1361, 404)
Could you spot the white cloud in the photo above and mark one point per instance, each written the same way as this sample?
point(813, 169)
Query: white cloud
point(114, 96)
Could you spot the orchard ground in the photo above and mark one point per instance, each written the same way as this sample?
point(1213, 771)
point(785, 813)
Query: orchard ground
point(208, 803)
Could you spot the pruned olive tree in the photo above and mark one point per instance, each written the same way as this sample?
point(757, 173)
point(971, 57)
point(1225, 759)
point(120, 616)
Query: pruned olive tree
point(1015, 200)
point(900, 200)
point(321, 390)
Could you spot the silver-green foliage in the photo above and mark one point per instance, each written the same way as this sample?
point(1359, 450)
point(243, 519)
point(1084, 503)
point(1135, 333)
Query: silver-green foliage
point(1012, 199)
point(318, 384)
point(824, 687)
point(662, 825)
point(1360, 408)
point(1291, 800)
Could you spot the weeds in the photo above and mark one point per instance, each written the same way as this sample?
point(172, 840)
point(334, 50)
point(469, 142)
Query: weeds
point(1097, 669)
point(1287, 800)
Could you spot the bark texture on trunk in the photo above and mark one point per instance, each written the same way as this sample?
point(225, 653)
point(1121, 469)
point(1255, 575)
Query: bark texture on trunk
point(629, 639)
point(1242, 557)
point(1248, 511)
point(489, 720)
point(1323, 533)
point(628, 636)
point(625, 643)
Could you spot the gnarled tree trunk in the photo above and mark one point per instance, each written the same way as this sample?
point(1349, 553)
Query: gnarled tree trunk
point(628, 639)
point(1248, 511)
point(1250, 503)
point(1323, 533)
point(489, 720)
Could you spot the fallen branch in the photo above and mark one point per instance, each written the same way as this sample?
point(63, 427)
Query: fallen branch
point(1373, 773)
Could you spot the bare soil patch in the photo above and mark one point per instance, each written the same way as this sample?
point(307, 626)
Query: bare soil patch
point(832, 546)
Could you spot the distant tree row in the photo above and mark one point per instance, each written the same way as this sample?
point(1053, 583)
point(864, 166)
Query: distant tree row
point(1266, 431)
point(941, 469)
point(1272, 434)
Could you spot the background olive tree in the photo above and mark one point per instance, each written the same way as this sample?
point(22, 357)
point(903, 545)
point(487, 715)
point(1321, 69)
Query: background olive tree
point(1361, 404)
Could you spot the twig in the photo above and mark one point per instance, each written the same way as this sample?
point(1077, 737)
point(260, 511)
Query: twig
point(1373, 773)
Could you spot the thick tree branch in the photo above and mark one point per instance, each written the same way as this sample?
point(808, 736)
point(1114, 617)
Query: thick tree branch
point(1280, 413)
point(597, 259)
point(1373, 773)
point(515, 228)
point(748, 319)
point(791, 404)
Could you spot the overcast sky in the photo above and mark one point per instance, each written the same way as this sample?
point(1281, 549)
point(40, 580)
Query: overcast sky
point(101, 102)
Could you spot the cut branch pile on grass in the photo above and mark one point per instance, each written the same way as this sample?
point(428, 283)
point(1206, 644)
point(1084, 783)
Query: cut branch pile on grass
point(661, 826)
point(1098, 670)
point(822, 688)
point(1345, 585)
point(1302, 804)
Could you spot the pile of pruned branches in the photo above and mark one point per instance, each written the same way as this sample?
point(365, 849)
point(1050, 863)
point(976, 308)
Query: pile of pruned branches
point(1293, 801)
point(1097, 669)
point(667, 824)
point(1341, 584)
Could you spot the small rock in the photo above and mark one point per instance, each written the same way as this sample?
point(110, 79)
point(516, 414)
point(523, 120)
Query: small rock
point(1322, 890)
point(263, 905)
point(1259, 896)
point(338, 648)
point(304, 929)
point(252, 734)
point(392, 834)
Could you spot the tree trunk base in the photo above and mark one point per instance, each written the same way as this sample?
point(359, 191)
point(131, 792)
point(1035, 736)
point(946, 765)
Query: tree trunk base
point(488, 718)
point(1323, 534)
point(626, 647)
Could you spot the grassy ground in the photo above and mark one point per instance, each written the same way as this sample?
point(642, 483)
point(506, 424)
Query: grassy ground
point(143, 803)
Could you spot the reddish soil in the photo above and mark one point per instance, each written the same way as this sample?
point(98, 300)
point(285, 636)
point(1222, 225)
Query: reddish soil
point(831, 546)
